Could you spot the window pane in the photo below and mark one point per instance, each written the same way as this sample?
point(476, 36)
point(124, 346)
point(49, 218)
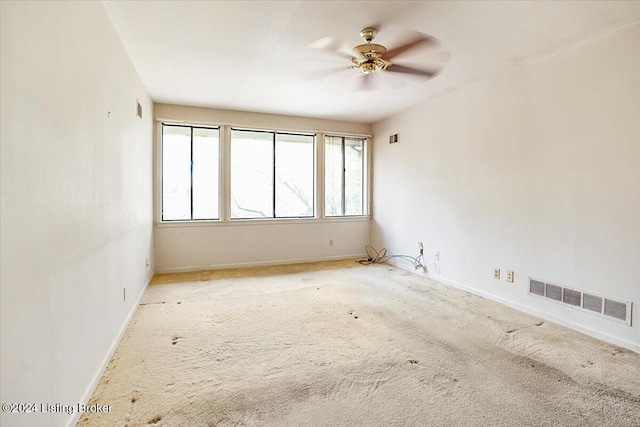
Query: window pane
point(294, 175)
point(333, 176)
point(251, 174)
point(205, 173)
point(353, 165)
point(176, 173)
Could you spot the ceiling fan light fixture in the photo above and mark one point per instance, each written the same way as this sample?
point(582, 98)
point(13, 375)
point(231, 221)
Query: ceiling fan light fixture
point(368, 67)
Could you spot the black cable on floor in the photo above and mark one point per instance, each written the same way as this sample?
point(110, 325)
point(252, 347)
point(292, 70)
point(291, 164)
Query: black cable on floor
point(380, 257)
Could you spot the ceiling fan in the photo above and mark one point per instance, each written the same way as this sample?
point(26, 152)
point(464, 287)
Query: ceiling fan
point(370, 58)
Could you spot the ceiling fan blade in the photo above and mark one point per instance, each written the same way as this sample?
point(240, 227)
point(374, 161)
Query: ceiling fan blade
point(318, 74)
point(393, 81)
point(419, 39)
point(395, 68)
point(325, 43)
point(440, 57)
point(333, 45)
point(364, 82)
point(367, 82)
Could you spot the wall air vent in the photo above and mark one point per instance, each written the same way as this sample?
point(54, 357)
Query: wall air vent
point(536, 287)
point(615, 309)
point(609, 308)
point(592, 302)
point(569, 296)
point(553, 292)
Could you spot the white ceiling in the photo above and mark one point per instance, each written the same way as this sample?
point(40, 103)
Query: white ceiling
point(253, 55)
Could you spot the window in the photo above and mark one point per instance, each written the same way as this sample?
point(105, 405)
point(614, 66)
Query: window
point(344, 176)
point(223, 174)
point(190, 173)
point(272, 174)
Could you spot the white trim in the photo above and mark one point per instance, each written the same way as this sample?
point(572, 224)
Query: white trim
point(265, 128)
point(105, 362)
point(367, 176)
point(224, 182)
point(320, 169)
point(630, 345)
point(261, 221)
point(258, 264)
point(157, 173)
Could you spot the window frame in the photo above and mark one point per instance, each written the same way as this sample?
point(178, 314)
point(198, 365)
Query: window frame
point(343, 185)
point(274, 156)
point(224, 176)
point(161, 174)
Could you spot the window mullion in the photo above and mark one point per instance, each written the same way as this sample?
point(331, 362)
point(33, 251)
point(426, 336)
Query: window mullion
point(191, 172)
point(274, 176)
point(225, 173)
point(363, 179)
point(319, 175)
point(343, 183)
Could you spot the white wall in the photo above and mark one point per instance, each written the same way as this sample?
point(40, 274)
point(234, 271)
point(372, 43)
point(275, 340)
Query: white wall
point(536, 171)
point(190, 248)
point(76, 200)
point(180, 247)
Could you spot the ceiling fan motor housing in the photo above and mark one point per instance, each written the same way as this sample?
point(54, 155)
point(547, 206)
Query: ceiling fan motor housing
point(369, 58)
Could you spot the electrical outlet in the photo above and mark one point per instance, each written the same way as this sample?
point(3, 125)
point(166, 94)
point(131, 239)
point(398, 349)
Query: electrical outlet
point(437, 256)
point(331, 242)
point(124, 294)
point(510, 276)
point(496, 273)
point(421, 247)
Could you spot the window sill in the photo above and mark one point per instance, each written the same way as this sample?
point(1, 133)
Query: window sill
point(261, 221)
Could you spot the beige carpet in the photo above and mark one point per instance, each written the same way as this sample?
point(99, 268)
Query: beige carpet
point(339, 344)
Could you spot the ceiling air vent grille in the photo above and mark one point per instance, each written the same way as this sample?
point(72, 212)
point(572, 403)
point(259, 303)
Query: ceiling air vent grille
point(608, 308)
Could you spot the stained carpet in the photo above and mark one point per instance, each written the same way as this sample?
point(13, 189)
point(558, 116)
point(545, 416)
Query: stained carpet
point(340, 344)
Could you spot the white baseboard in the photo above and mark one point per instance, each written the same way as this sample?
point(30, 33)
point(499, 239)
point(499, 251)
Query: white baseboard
point(112, 349)
point(257, 264)
point(629, 345)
